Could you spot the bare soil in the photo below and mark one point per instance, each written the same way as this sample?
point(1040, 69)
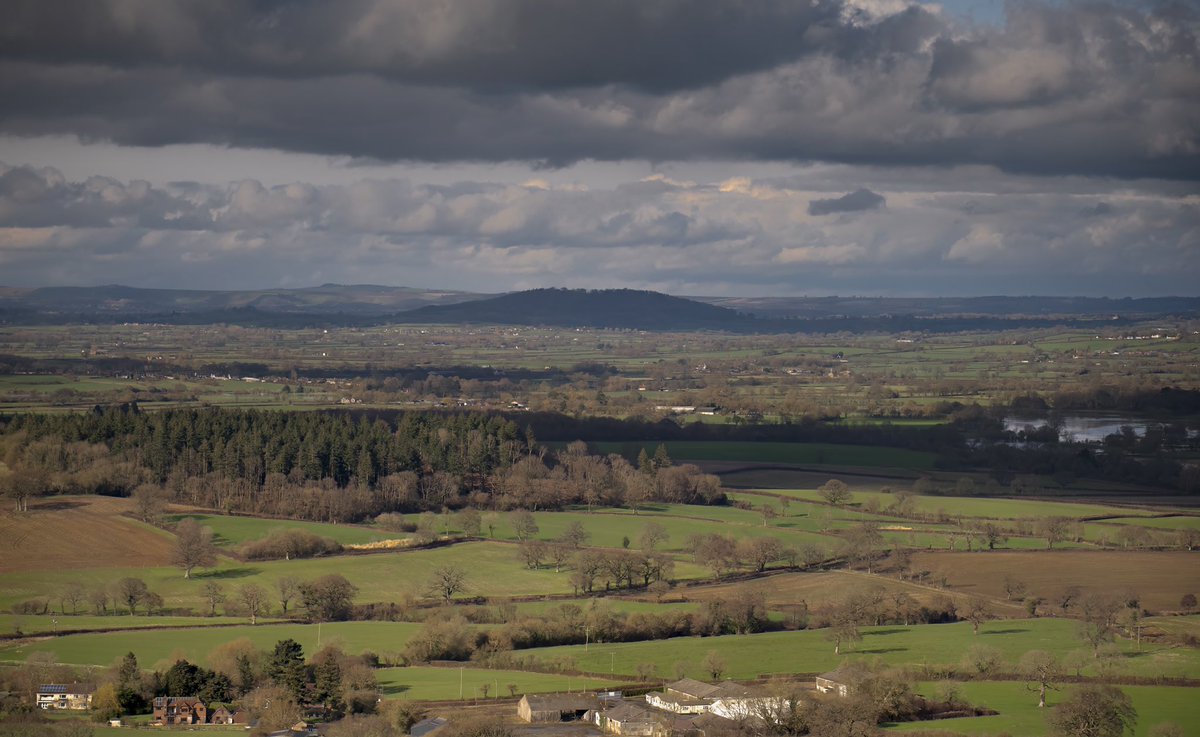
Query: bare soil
point(1159, 578)
point(79, 532)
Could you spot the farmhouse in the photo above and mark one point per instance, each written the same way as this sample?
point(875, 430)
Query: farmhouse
point(727, 699)
point(555, 707)
point(179, 710)
point(837, 682)
point(227, 714)
point(627, 718)
point(64, 696)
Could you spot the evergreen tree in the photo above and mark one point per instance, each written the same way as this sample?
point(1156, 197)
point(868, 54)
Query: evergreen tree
point(287, 667)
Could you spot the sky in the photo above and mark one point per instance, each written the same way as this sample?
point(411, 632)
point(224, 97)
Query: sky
point(707, 147)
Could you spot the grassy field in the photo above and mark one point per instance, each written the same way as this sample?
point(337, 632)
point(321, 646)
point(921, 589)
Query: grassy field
point(36, 624)
point(1019, 713)
point(445, 684)
point(978, 507)
point(749, 656)
point(796, 453)
point(194, 644)
point(231, 531)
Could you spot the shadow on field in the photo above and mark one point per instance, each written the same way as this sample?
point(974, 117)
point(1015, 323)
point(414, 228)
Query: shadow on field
point(1009, 631)
point(229, 573)
point(393, 690)
point(882, 650)
point(893, 631)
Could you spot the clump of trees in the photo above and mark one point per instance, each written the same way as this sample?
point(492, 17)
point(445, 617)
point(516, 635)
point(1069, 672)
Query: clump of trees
point(288, 544)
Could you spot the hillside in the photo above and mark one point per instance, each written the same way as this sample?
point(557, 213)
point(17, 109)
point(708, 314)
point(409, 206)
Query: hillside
point(327, 299)
point(603, 308)
point(944, 307)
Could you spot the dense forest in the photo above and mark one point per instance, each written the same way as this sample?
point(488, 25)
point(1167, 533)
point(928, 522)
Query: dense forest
point(336, 466)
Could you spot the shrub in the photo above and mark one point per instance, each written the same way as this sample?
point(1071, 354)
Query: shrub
point(288, 544)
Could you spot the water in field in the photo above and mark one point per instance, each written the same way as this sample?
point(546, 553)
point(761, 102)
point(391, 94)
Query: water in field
point(1081, 427)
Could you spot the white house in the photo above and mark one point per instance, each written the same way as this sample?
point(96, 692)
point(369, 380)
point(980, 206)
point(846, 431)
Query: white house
point(64, 696)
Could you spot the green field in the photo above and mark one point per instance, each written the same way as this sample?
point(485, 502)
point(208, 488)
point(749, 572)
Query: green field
point(194, 644)
point(231, 531)
point(1019, 713)
point(35, 624)
point(977, 507)
point(750, 656)
point(420, 683)
point(493, 569)
point(825, 454)
point(608, 527)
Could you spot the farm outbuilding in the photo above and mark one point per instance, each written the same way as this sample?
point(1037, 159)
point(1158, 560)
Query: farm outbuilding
point(555, 707)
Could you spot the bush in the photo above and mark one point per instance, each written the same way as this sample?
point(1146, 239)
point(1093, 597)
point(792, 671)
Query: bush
point(32, 606)
point(393, 522)
point(289, 544)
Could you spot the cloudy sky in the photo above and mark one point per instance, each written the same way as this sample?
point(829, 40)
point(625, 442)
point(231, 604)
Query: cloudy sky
point(873, 147)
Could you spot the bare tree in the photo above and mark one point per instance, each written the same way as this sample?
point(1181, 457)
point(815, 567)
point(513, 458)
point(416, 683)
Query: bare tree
point(977, 612)
point(1099, 618)
point(131, 592)
point(288, 588)
point(214, 594)
point(574, 535)
point(1094, 710)
point(72, 593)
point(524, 525)
point(193, 547)
point(254, 601)
point(1054, 529)
point(149, 503)
point(652, 534)
point(533, 552)
point(714, 664)
point(447, 581)
point(1043, 671)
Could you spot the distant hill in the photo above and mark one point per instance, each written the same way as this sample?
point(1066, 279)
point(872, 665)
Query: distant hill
point(1007, 307)
point(600, 308)
point(336, 305)
point(327, 299)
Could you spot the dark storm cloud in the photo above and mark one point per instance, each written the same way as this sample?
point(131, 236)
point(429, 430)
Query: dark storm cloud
point(1077, 88)
point(859, 199)
point(477, 44)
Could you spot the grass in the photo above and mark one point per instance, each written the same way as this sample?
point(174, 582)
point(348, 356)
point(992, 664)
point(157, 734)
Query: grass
point(36, 624)
point(977, 507)
point(194, 644)
point(422, 683)
point(795, 453)
point(749, 656)
point(231, 531)
point(1020, 715)
point(493, 569)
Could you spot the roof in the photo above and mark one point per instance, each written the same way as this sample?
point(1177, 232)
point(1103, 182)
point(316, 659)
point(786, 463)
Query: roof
point(160, 701)
point(63, 688)
point(732, 689)
point(839, 675)
point(692, 687)
point(561, 702)
point(626, 712)
point(425, 726)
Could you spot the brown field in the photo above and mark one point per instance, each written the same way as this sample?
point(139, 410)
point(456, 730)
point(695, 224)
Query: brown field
point(78, 532)
point(785, 590)
point(1159, 578)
